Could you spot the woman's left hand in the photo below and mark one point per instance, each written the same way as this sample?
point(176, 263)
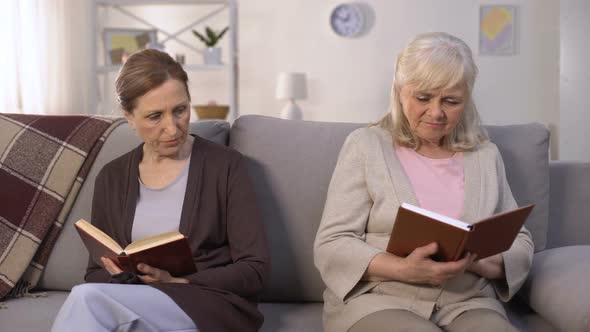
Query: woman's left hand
point(153, 274)
point(490, 267)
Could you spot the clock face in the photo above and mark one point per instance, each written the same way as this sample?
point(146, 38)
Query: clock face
point(347, 20)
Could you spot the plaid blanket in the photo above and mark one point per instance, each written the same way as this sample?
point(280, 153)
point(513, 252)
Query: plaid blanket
point(44, 161)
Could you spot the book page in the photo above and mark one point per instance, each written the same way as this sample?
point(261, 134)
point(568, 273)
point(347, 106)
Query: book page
point(99, 235)
point(152, 241)
point(447, 220)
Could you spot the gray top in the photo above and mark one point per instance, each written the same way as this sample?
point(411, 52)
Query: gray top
point(158, 210)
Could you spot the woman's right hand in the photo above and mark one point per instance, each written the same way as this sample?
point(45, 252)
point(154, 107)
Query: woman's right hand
point(419, 268)
point(110, 266)
point(416, 268)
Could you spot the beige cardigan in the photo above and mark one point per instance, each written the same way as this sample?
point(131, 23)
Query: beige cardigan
point(367, 187)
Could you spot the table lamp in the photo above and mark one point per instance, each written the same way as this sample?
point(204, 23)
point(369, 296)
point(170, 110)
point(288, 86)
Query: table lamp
point(291, 86)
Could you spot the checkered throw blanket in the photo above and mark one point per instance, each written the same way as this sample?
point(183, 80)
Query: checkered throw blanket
point(44, 161)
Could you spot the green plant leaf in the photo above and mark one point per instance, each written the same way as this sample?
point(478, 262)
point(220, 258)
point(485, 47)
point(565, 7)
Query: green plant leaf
point(201, 37)
point(222, 33)
point(210, 33)
point(211, 38)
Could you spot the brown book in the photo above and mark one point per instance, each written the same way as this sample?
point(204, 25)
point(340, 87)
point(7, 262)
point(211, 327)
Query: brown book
point(167, 251)
point(416, 227)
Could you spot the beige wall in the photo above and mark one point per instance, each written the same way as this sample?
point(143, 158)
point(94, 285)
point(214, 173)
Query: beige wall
point(349, 79)
point(574, 81)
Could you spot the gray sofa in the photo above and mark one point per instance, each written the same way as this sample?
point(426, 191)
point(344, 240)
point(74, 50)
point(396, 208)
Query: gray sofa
point(291, 166)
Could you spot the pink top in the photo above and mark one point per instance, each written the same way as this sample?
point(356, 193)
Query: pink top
point(439, 184)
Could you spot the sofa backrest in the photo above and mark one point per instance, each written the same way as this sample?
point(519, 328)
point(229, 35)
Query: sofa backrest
point(68, 260)
point(291, 167)
point(569, 211)
point(525, 151)
point(291, 163)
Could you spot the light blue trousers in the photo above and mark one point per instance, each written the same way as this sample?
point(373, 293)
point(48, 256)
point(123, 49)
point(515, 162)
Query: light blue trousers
point(115, 307)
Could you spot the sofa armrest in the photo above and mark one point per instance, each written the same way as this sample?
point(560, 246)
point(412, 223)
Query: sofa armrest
point(569, 208)
point(557, 287)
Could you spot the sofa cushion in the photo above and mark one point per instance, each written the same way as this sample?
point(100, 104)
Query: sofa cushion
point(291, 317)
point(526, 319)
point(28, 314)
point(68, 260)
point(557, 287)
point(292, 164)
point(525, 151)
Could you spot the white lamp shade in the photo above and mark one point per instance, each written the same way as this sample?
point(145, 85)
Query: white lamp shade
point(291, 86)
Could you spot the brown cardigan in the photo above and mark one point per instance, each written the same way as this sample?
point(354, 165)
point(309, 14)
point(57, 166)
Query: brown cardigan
point(223, 223)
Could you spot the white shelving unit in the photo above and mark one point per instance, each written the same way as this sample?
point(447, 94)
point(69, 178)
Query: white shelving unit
point(125, 7)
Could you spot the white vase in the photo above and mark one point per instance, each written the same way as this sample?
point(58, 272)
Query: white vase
point(291, 111)
point(212, 56)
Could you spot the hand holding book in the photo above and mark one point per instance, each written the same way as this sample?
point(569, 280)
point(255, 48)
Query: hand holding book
point(416, 268)
point(162, 256)
point(415, 227)
point(150, 274)
point(425, 270)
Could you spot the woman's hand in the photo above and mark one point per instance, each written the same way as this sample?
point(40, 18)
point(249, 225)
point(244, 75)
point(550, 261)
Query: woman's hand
point(110, 266)
point(490, 267)
point(153, 274)
point(419, 268)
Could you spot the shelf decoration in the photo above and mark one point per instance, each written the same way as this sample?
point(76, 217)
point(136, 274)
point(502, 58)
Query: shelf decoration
point(211, 111)
point(120, 43)
point(212, 54)
point(113, 44)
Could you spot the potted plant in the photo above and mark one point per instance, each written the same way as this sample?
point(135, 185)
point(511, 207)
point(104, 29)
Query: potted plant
point(212, 54)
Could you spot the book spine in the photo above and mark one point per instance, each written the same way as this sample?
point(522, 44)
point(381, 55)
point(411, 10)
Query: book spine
point(460, 251)
point(126, 263)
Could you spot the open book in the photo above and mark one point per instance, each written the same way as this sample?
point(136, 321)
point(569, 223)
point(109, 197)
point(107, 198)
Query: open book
point(416, 227)
point(167, 251)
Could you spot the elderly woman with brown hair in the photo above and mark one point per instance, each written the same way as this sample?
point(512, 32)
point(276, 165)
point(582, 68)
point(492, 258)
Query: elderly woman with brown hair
point(429, 151)
point(172, 181)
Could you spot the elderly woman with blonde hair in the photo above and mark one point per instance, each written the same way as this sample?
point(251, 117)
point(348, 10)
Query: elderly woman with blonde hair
point(429, 151)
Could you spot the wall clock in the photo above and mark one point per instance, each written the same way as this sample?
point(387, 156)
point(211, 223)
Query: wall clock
point(348, 20)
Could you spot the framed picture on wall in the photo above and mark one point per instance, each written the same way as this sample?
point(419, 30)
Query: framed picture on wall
point(120, 43)
point(498, 30)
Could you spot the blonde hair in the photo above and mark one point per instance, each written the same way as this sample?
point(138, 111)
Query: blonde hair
point(435, 61)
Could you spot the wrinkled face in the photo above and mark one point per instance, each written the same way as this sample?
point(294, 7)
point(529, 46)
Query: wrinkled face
point(161, 118)
point(433, 114)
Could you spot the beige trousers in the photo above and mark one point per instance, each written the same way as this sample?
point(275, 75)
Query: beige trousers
point(481, 320)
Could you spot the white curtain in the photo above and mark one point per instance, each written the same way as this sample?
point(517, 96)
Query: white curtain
point(46, 64)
